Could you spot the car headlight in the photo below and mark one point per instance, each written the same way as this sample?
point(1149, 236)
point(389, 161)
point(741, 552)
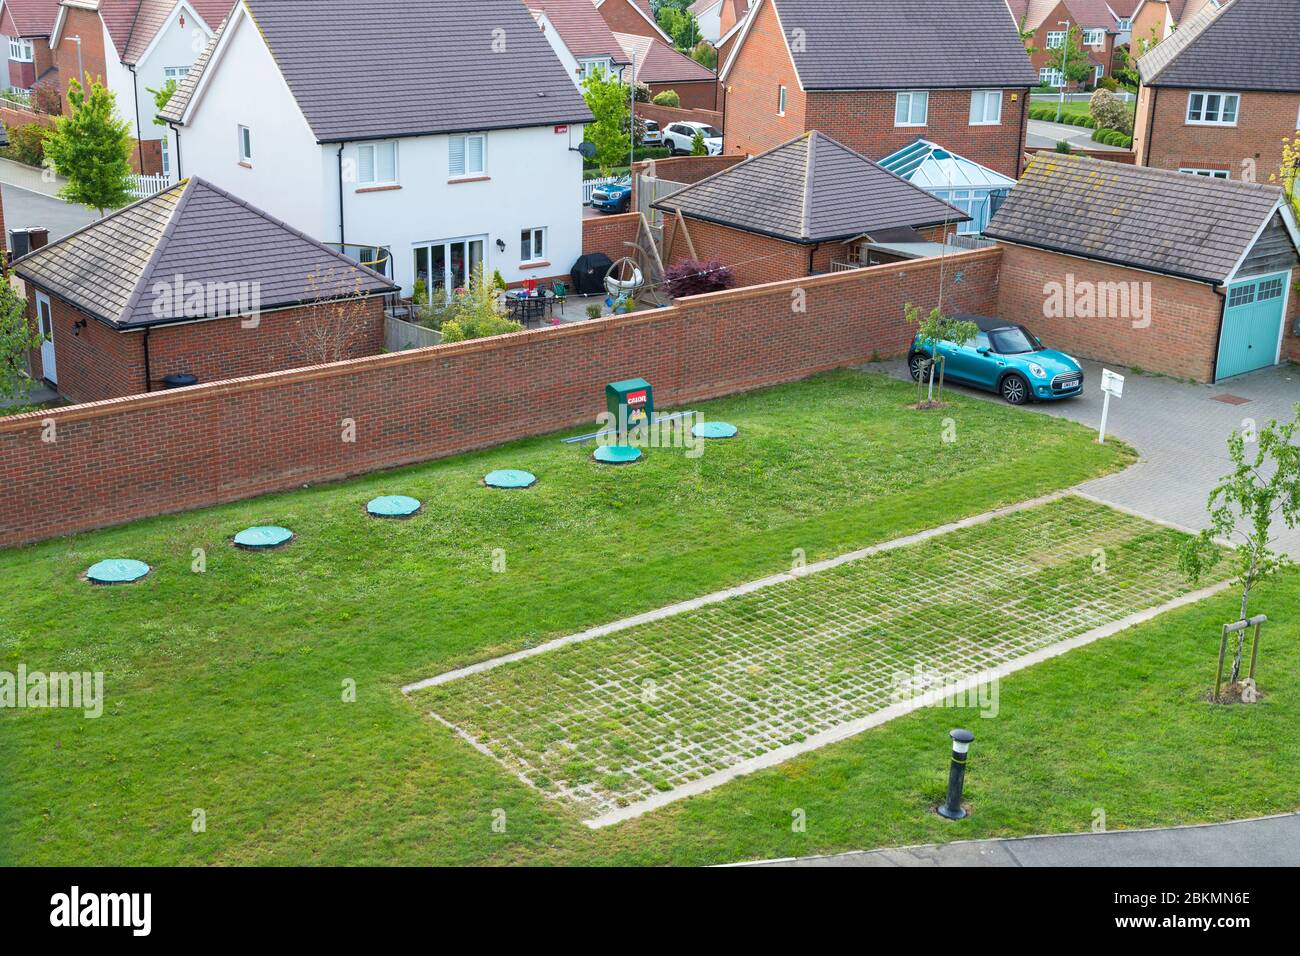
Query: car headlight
point(1037, 371)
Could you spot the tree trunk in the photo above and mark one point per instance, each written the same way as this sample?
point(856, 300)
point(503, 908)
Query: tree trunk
point(1241, 635)
point(943, 370)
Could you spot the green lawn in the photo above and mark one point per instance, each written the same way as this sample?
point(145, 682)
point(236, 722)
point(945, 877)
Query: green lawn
point(1073, 108)
point(225, 688)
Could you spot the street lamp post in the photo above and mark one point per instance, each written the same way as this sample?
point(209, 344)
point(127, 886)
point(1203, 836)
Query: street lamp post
point(1065, 66)
point(952, 808)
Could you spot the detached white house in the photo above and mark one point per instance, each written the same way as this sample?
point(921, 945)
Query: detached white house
point(425, 136)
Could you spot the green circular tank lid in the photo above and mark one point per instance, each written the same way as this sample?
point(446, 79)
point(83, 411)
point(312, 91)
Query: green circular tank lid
point(262, 538)
point(617, 454)
point(510, 478)
point(117, 571)
point(393, 506)
point(714, 430)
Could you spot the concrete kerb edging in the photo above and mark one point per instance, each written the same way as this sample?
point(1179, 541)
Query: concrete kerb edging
point(852, 728)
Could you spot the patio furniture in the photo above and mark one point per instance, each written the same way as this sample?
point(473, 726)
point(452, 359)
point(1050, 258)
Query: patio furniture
point(529, 308)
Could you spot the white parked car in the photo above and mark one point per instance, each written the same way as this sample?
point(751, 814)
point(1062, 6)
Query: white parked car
point(651, 135)
point(680, 137)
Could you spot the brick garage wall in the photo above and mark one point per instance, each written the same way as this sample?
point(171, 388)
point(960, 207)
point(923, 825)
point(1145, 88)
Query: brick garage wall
point(96, 363)
point(760, 68)
point(754, 259)
point(1180, 340)
point(146, 156)
point(688, 169)
point(1291, 338)
point(427, 403)
point(609, 234)
point(663, 115)
point(864, 121)
point(1168, 142)
point(693, 95)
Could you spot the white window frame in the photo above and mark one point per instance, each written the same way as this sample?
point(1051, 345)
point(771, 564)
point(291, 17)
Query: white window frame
point(910, 98)
point(165, 147)
point(1208, 173)
point(245, 135)
point(1055, 39)
point(176, 73)
point(983, 97)
point(1049, 76)
point(375, 179)
point(21, 50)
point(780, 100)
point(1124, 25)
point(586, 67)
point(537, 244)
point(1098, 72)
point(466, 171)
point(1223, 98)
point(1094, 36)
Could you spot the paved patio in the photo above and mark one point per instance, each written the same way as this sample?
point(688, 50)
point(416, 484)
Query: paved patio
point(1180, 432)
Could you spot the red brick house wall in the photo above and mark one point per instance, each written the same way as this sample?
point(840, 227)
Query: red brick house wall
point(762, 66)
point(864, 121)
point(622, 18)
point(1042, 56)
point(1164, 139)
point(414, 406)
point(1181, 339)
point(95, 362)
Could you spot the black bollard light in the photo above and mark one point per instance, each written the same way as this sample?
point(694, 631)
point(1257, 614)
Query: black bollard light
point(961, 741)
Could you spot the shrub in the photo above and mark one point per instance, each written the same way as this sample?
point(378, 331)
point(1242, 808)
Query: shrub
point(693, 277)
point(593, 311)
point(1109, 112)
point(1107, 83)
point(46, 98)
point(1063, 147)
point(452, 332)
point(642, 94)
point(27, 144)
point(698, 146)
point(667, 98)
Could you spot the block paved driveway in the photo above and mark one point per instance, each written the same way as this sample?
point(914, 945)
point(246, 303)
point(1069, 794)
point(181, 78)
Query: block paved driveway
point(1180, 432)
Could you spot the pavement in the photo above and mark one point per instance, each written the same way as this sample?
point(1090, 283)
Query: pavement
point(1180, 431)
point(1043, 133)
point(1264, 841)
point(30, 200)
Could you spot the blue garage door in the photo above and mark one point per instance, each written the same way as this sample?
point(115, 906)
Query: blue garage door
point(1252, 325)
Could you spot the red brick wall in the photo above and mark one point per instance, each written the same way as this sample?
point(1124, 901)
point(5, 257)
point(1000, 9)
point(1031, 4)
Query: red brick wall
point(622, 18)
point(609, 234)
point(427, 403)
point(1170, 143)
point(1180, 340)
point(761, 67)
point(689, 169)
point(864, 121)
point(1291, 338)
point(1111, 155)
point(13, 115)
point(97, 363)
point(663, 115)
point(1042, 56)
point(696, 95)
point(93, 59)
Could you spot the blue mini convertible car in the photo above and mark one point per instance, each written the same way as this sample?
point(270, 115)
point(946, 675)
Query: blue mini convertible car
point(1003, 358)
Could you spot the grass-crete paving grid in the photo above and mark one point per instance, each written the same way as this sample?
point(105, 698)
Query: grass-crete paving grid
point(614, 721)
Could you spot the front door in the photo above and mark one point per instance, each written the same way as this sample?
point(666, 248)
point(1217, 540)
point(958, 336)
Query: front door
point(45, 324)
point(1252, 325)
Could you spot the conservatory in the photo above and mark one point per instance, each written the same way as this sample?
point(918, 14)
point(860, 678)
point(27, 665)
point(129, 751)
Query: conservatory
point(972, 188)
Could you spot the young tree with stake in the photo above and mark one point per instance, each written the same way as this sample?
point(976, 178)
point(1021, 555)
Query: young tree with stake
point(92, 148)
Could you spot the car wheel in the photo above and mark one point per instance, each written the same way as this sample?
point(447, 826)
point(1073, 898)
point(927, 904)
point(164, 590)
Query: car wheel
point(1015, 390)
point(916, 365)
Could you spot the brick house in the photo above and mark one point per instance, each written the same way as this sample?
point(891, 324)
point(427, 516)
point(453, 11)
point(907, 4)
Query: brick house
point(795, 210)
point(631, 16)
point(580, 38)
point(1154, 20)
point(1103, 25)
point(193, 281)
point(27, 25)
point(875, 76)
point(716, 18)
point(1220, 94)
point(663, 68)
point(1183, 275)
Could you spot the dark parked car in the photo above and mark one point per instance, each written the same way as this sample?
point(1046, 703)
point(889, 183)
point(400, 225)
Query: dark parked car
point(1003, 358)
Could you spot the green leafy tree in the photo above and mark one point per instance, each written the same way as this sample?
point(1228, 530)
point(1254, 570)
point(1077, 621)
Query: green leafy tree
point(933, 328)
point(698, 146)
point(1070, 59)
point(680, 24)
point(161, 97)
point(1243, 507)
point(92, 148)
point(17, 338)
point(610, 134)
point(706, 55)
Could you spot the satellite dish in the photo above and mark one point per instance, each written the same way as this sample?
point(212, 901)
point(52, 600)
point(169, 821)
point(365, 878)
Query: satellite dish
point(588, 150)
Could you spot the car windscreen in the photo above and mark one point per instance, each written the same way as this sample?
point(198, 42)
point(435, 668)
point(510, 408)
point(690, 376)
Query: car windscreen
point(1013, 341)
point(710, 133)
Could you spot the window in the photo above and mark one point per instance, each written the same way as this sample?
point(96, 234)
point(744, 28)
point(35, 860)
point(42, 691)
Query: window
point(1213, 109)
point(1125, 24)
point(969, 201)
point(245, 145)
point(532, 245)
point(986, 107)
point(1269, 289)
point(587, 67)
point(1099, 72)
point(176, 73)
point(1094, 37)
point(468, 155)
point(377, 164)
point(1050, 77)
point(1055, 39)
point(780, 101)
point(1242, 295)
point(910, 109)
point(1210, 173)
point(20, 50)
point(166, 159)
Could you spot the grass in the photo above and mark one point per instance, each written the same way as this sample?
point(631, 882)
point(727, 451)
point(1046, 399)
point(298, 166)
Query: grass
point(610, 722)
point(1075, 108)
point(227, 691)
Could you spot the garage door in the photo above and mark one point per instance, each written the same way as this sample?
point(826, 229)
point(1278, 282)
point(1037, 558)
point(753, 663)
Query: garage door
point(1252, 325)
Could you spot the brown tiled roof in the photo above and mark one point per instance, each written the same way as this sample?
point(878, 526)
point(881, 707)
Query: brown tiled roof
point(918, 44)
point(811, 189)
point(1160, 220)
point(195, 230)
point(657, 62)
point(1245, 45)
point(33, 18)
point(581, 27)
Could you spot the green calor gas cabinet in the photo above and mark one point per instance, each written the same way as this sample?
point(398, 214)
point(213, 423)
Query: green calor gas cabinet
point(631, 403)
point(1252, 325)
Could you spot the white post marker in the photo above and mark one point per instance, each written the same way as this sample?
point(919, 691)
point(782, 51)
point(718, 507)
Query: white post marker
point(1112, 383)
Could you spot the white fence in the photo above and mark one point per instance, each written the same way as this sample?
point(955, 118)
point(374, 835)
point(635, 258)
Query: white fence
point(590, 185)
point(400, 335)
point(145, 186)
